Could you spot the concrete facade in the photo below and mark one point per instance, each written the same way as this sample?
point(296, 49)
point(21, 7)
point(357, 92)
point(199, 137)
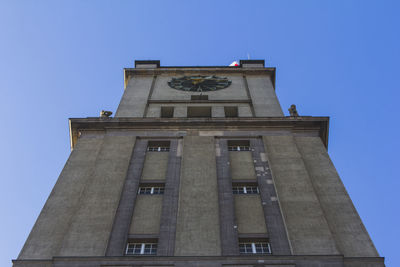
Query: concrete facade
point(350, 235)
point(45, 239)
point(242, 166)
point(155, 166)
point(249, 215)
point(197, 228)
point(147, 215)
point(301, 208)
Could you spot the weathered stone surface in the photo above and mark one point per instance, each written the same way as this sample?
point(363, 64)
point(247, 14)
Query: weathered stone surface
point(147, 214)
point(263, 95)
point(228, 222)
point(253, 261)
point(197, 230)
point(134, 100)
point(344, 222)
point(123, 216)
point(277, 233)
point(242, 166)
point(155, 166)
point(308, 230)
point(54, 220)
point(249, 214)
point(91, 225)
point(166, 238)
point(218, 112)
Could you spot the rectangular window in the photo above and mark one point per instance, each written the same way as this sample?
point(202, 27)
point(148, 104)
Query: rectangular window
point(238, 145)
point(158, 146)
point(167, 112)
point(245, 189)
point(231, 112)
point(257, 247)
point(199, 97)
point(199, 112)
point(141, 249)
point(151, 190)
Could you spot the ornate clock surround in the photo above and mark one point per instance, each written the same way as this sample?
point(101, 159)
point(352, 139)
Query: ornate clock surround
point(199, 83)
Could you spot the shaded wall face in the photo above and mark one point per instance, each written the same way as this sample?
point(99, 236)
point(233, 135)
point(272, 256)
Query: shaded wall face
point(147, 214)
point(46, 237)
point(155, 166)
point(78, 216)
point(242, 166)
point(253, 95)
point(349, 232)
point(318, 214)
point(249, 214)
point(197, 229)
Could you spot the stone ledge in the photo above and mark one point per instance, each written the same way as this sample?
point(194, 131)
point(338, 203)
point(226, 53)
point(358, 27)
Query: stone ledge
point(252, 260)
point(294, 124)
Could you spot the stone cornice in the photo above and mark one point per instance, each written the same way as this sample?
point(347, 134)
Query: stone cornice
point(298, 124)
point(130, 72)
point(236, 101)
point(275, 260)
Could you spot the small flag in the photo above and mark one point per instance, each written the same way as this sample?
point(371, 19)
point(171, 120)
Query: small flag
point(234, 64)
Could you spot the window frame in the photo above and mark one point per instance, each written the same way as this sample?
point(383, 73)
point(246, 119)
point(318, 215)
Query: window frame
point(245, 189)
point(157, 149)
point(239, 148)
point(255, 246)
point(142, 252)
point(147, 189)
point(239, 145)
point(158, 146)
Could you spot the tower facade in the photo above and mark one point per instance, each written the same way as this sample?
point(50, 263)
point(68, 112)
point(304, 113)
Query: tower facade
point(199, 167)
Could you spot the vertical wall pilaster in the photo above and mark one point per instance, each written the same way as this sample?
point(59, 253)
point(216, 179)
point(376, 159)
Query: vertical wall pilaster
point(264, 99)
point(272, 212)
point(123, 216)
point(347, 228)
point(89, 230)
point(197, 228)
point(166, 239)
point(217, 112)
point(136, 94)
point(228, 231)
point(307, 228)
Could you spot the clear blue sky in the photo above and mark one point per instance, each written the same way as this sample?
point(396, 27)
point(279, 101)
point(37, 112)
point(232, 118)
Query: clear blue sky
point(62, 59)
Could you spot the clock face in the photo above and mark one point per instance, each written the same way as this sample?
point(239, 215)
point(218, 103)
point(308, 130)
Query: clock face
point(199, 83)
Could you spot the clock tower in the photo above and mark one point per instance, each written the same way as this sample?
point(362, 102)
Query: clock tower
point(199, 167)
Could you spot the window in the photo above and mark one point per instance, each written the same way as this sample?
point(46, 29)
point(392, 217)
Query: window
point(199, 112)
point(151, 190)
point(141, 249)
point(158, 146)
point(245, 189)
point(258, 247)
point(238, 148)
point(231, 112)
point(238, 145)
point(167, 112)
point(199, 97)
point(158, 149)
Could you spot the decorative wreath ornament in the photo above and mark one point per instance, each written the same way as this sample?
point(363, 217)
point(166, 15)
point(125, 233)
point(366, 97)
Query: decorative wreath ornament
point(199, 83)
